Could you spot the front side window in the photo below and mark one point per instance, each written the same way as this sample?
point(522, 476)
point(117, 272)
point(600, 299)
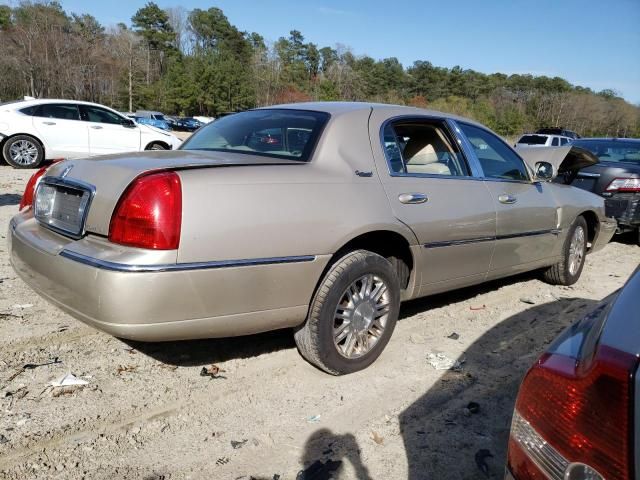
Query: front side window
point(61, 111)
point(100, 115)
point(279, 133)
point(417, 147)
point(564, 141)
point(554, 142)
point(496, 158)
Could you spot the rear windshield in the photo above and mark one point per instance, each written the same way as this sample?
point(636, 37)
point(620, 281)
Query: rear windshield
point(279, 133)
point(533, 139)
point(612, 150)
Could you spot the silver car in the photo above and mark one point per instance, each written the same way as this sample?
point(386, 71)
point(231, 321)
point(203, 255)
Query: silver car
point(320, 217)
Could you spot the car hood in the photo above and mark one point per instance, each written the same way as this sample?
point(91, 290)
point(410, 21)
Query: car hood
point(152, 129)
point(111, 174)
point(566, 160)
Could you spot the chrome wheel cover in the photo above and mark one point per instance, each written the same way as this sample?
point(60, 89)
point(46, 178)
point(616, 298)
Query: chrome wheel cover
point(576, 250)
point(23, 152)
point(361, 316)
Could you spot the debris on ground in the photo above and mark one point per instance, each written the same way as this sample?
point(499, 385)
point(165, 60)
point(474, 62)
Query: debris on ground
point(481, 307)
point(454, 336)
point(68, 380)
point(212, 371)
point(439, 361)
point(23, 306)
point(313, 419)
point(3, 439)
point(319, 470)
point(481, 457)
point(125, 368)
point(527, 301)
point(31, 366)
point(377, 438)
point(222, 461)
point(238, 444)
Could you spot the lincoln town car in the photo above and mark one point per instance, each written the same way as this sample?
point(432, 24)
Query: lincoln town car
point(318, 217)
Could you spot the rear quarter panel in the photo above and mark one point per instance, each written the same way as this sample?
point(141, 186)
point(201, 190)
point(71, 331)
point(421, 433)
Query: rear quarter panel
point(314, 208)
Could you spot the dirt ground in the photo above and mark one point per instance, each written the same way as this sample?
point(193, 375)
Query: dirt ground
point(148, 413)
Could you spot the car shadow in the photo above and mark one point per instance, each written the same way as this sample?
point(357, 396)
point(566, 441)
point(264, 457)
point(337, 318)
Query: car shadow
point(9, 199)
point(442, 438)
point(627, 238)
point(189, 353)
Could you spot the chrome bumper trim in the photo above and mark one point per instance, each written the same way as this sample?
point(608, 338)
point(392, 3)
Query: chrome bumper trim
point(123, 267)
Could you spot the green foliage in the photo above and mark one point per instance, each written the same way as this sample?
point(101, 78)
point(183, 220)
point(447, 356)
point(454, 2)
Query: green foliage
point(201, 63)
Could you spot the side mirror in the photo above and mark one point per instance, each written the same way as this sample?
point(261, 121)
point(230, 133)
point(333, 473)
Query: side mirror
point(544, 171)
point(127, 122)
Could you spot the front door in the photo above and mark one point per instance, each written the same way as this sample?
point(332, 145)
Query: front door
point(431, 189)
point(527, 219)
point(109, 132)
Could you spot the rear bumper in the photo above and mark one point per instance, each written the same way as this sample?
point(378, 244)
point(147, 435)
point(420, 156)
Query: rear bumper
point(159, 305)
point(625, 208)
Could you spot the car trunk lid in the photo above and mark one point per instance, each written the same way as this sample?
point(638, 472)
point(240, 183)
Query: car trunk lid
point(107, 177)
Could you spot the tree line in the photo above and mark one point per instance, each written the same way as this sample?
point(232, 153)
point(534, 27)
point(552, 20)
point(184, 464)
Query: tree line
point(197, 62)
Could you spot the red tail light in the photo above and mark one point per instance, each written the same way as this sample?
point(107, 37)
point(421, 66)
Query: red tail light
point(572, 417)
point(149, 214)
point(27, 196)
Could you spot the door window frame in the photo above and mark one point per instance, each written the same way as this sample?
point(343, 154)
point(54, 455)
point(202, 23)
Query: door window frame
point(449, 129)
point(82, 111)
point(471, 153)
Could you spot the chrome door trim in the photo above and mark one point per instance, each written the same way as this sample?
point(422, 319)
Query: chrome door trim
point(123, 267)
point(533, 233)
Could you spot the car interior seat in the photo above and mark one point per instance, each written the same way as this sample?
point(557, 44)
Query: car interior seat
point(421, 154)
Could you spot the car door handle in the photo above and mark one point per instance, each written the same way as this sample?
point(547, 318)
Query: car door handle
point(49, 123)
point(96, 127)
point(506, 198)
point(412, 198)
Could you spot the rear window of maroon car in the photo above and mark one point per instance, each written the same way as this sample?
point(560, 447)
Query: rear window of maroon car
point(279, 133)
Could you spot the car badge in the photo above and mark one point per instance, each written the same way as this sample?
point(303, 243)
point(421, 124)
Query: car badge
point(66, 171)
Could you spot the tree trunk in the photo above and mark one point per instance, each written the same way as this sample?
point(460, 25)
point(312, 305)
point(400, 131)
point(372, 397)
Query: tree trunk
point(131, 82)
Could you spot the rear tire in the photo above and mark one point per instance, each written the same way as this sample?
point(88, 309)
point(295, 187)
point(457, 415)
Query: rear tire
point(23, 151)
point(157, 146)
point(567, 271)
point(352, 314)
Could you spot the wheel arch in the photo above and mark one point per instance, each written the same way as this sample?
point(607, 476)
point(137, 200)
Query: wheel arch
point(593, 225)
point(157, 142)
point(386, 242)
point(4, 141)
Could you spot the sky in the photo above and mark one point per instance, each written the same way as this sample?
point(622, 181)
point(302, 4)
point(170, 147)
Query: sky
point(593, 43)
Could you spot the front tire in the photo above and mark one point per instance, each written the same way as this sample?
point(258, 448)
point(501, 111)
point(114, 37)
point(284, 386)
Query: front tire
point(567, 271)
point(352, 314)
point(23, 151)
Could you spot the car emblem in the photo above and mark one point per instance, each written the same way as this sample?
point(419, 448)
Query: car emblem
point(66, 171)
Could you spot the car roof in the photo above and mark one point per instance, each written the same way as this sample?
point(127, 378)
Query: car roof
point(39, 101)
point(339, 108)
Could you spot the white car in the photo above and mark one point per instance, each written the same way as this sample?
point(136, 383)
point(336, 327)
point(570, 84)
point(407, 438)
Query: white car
point(542, 140)
point(34, 130)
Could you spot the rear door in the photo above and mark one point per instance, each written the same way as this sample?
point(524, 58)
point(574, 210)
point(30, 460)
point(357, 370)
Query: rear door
point(431, 188)
point(527, 221)
point(109, 132)
point(59, 126)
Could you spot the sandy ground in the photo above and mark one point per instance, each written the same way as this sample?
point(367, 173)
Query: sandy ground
point(147, 413)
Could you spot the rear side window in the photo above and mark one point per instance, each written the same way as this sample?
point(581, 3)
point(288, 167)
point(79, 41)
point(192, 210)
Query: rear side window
point(554, 142)
point(29, 110)
point(496, 158)
point(63, 111)
point(533, 140)
point(279, 133)
point(423, 148)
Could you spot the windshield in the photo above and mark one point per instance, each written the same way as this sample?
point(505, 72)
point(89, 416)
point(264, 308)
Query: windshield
point(627, 151)
point(279, 133)
point(533, 139)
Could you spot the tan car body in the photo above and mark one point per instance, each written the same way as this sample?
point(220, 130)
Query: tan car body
point(258, 233)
